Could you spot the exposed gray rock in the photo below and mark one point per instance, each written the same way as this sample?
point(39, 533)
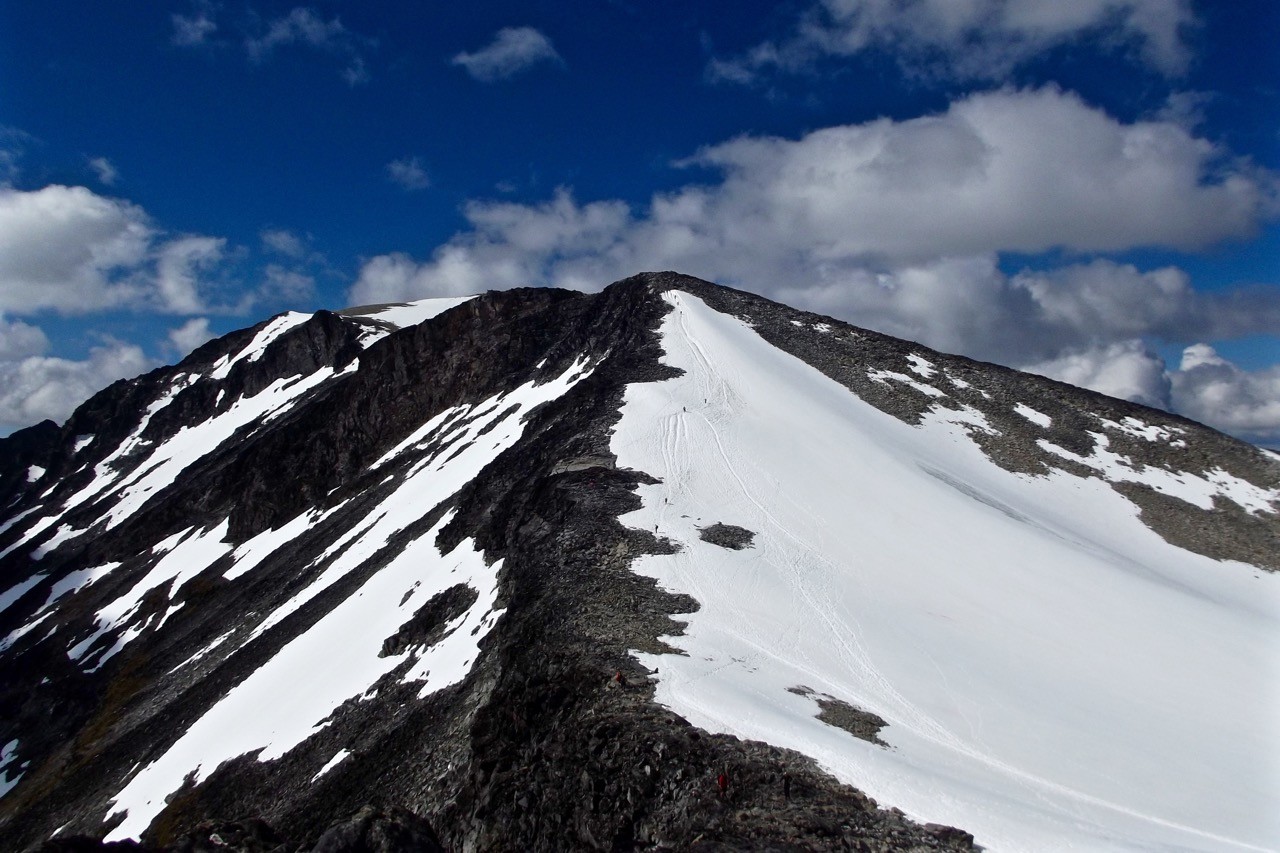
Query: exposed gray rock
point(727, 536)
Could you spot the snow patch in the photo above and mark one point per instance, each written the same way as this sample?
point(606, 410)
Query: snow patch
point(15, 592)
point(331, 662)
point(1037, 418)
point(7, 755)
point(253, 350)
point(402, 315)
point(194, 552)
point(1058, 677)
point(331, 763)
point(1192, 488)
point(921, 365)
point(883, 377)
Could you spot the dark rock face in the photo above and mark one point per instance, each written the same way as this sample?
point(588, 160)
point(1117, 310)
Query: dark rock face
point(860, 723)
point(553, 740)
point(727, 536)
point(370, 830)
point(428, 626)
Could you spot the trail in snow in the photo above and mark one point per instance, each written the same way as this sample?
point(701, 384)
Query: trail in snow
point(1054, 677)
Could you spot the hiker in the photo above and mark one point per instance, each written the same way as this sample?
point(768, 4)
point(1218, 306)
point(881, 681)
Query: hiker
point(722, 782)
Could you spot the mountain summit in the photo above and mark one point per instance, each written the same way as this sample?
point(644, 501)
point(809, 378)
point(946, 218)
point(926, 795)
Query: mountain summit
point(667, 566)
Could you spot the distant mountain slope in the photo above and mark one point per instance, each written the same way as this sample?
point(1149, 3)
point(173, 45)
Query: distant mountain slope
point(483, 558)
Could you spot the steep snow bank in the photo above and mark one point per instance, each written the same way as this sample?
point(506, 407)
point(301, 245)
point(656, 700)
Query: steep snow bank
point(1053, 676)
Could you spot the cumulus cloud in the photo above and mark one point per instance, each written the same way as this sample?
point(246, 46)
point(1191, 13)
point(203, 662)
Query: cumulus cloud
point(512, 51)
point(104, 170)
point(39, 387)
point(974, 39)
point(843, 207)
point(409, 173)
point(19, 340)
point(190, 335)
point(70, 250)
point(900, 227)
point(1124, 369)
point(1211, 389)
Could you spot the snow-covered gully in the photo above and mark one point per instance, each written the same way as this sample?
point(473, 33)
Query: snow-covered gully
point(1053, 677)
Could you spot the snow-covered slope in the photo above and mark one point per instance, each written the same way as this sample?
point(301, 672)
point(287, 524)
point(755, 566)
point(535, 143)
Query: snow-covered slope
point(1054, 674)
point(485, 558)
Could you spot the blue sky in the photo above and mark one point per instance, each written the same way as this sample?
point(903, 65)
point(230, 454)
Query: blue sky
point(1088, 190)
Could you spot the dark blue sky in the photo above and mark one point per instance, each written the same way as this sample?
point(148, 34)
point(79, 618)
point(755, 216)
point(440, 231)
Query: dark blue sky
point(274, 155)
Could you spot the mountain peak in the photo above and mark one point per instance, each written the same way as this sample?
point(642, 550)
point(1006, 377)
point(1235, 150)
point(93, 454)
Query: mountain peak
point(656, 566)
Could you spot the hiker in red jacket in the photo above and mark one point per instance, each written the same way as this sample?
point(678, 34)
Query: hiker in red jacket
point(723, 783)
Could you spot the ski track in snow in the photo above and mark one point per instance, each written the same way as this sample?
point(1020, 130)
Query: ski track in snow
point(1059, 677)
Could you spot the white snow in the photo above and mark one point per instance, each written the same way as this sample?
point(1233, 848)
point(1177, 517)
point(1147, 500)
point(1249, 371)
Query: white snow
point(249, 554)
point(18, 633)
point(191, 443)
point(1141, 429)
point(1036, 417)
point(331, 763)
point(76, 581)
point(883, 376)
point(1055, 676)
point(83, 441)
point(35, 472)
point(921, 365)
point(402, 315)
point(15, 519)
point(1192, 488)
point(193, 553)
point(334, 660)
point(461, 454)
point(15, 592)
point(6, 758)
point(253, 350)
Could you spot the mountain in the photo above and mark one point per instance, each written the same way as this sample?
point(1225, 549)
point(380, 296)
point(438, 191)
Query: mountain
point(668, 566)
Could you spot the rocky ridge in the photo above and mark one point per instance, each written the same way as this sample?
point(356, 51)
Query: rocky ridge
point(552, 739)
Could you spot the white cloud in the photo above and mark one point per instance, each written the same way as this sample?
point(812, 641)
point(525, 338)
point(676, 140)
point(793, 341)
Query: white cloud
point(39, 387)
point(512, 51)
point(843, 207)
point(19, 340)
point(105, 170)
point(299, 26)
point(281, 284)
point(70, 250)
point(899, 226)
point(975, 39)
point(178, 264)
point(194, 29)
point(409, 173)
point(1211, 389)
point(190, 335)
point(304, 26)
point(1125, 369)
point(284, 242)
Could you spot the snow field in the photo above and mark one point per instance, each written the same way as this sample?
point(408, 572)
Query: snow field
point(1054, 676)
